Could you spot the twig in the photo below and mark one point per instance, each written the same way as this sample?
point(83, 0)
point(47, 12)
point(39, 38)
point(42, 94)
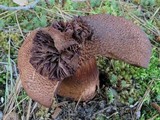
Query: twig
point(7, 15)
point(141, 101)
point(29, 109)
point(35, 14)
point(115, 113)
point(78, 103)
point(19, 26)
point(100, 111)
point(3, 13)
point(104, 109)
point(15, 107)
point(12, 97)
point(15, 68)
point(33, 107)
point(154, 14)
point(27, 7)
point(153, 118)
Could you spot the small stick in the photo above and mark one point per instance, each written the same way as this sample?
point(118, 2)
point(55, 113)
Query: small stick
point(78, 103)
point(29, 109)
point(27, 7)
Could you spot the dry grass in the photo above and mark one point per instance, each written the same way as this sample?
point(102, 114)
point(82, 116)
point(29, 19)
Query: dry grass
point(16, 100)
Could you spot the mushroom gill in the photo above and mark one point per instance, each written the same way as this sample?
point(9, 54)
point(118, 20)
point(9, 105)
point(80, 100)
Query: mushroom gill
point(38, 87)
point(51, 58)
point(61, 58)
point(76, 28)
point(50, 62)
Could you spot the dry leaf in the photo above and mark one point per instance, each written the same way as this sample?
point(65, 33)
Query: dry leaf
point(21, 2)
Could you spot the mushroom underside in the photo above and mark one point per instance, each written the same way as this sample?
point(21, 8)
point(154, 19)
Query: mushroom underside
point(61, 58)
point(82, 86)
point(40, 88)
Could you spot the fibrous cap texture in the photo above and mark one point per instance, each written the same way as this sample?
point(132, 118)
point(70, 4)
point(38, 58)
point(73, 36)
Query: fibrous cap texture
point(61, 57)
point(118, 38)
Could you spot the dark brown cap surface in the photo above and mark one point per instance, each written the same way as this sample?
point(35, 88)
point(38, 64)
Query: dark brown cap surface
point(118, 38)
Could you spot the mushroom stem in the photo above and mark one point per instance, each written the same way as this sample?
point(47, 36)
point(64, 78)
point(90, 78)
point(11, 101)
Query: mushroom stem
point(118, 38)
point(83, 84)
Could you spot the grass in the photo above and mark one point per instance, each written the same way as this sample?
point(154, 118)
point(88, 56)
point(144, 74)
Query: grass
point(125, 82)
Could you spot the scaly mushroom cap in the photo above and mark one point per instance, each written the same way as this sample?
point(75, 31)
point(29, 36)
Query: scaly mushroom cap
point(38, 87)
point(48, 56)
point(118, 38)
point(66, 52)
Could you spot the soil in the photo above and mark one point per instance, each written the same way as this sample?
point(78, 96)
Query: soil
point(98, 108)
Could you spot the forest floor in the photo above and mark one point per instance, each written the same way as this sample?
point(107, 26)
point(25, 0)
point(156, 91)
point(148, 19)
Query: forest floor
point(126, 92)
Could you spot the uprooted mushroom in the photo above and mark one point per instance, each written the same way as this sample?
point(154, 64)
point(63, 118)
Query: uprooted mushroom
point(60, 59)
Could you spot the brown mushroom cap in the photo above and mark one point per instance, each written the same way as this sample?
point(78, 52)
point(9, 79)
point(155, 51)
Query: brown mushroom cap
point(36, 61)
point(38, 87)
point(66, 52)
point(118, 38)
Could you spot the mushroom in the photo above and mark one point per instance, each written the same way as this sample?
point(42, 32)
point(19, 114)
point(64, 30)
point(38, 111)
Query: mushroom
point(60, 59)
